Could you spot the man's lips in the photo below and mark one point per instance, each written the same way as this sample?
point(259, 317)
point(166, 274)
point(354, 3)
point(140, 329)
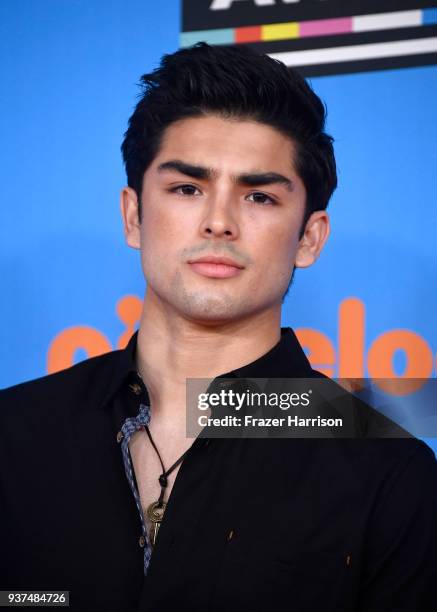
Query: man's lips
point(216, 267)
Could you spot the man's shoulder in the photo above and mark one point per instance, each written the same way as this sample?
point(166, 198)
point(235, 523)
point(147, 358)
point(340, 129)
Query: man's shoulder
point(385, 459)
point(87, 379)
point(380, 445)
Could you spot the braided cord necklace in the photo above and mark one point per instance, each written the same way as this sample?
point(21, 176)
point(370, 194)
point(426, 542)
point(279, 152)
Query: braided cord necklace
point(155, 511)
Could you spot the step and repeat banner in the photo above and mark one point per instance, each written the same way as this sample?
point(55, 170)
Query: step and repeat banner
point(72, 289)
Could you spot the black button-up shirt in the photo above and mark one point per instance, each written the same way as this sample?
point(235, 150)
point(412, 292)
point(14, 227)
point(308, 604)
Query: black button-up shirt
point(305, 524)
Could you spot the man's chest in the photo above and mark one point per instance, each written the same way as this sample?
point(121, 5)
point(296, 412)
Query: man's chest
point(244, 520)
point(249, 526)
point(149, 464)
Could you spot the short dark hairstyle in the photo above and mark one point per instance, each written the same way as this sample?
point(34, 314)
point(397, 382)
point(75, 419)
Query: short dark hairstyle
point(238, 83)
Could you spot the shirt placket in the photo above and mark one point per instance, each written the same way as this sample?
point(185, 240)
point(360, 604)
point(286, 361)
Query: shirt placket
point(129, 427)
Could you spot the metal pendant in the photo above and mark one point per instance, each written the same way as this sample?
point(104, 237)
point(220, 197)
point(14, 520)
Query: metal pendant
point(155, 513)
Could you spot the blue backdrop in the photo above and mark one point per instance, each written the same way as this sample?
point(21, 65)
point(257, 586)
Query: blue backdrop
point(68, 73)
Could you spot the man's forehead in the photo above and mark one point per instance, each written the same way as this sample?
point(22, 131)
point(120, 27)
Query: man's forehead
point(205, 130)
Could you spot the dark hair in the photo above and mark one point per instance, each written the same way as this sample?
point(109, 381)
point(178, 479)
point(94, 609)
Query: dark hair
point(232, 82)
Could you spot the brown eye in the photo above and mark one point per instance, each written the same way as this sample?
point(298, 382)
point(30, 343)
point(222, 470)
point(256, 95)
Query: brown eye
point(187, 190)
point(261, 198)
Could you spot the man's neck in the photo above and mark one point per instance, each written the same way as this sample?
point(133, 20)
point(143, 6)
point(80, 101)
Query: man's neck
point(172, 348)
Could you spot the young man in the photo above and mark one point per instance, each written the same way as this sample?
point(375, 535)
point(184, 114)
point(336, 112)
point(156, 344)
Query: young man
point(229, 176)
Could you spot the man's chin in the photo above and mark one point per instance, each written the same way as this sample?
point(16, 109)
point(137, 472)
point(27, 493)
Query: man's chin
point(207, 306)
point(212, 311)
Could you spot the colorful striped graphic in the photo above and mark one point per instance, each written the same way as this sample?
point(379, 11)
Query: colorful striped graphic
point(305, 29)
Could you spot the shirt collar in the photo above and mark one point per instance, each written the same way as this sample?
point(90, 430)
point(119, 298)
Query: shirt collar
point(284, 360)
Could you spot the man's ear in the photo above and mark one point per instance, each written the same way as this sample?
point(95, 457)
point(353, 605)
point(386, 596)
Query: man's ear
point(130, 216)
point(316, 233)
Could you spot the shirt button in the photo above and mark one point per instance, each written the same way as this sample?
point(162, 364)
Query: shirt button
point(142, 541)
point(120, 436)
point(135, 388)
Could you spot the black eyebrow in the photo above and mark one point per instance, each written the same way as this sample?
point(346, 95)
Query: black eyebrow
point(251, 179)
point(264, 178)
point(198, 172)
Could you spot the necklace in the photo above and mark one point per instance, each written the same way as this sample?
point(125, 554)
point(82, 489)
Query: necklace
point(155, 512)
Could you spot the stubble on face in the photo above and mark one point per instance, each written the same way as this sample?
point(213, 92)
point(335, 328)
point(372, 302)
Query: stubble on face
point(217, 303)
point(213, 306)
point(202, 306)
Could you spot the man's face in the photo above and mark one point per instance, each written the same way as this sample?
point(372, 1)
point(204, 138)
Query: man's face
point(223, 189)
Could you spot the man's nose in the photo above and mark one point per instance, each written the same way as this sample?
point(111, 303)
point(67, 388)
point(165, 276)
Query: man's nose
point(220, 219)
